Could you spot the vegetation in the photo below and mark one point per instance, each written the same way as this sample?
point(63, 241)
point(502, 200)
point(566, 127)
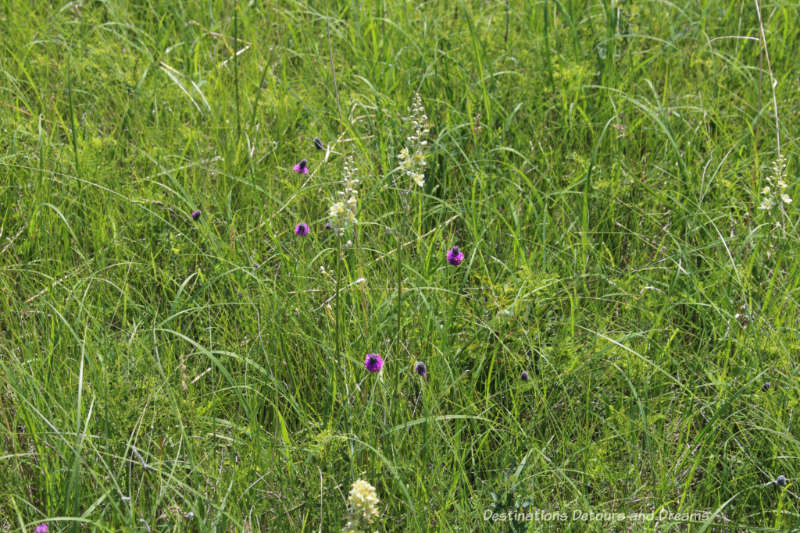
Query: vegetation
point(619, 337)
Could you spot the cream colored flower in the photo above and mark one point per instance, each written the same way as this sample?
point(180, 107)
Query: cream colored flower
point(364, 500)
point(412, 157)
point(343, 212)
point(362, 507)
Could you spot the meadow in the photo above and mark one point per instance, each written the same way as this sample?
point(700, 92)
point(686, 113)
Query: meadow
point(510, 265)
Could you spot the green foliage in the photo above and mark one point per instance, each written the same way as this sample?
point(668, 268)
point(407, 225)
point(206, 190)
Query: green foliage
point(601, 164)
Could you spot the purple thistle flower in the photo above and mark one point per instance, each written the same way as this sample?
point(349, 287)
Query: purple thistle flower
point(781, 481)
point(455, 256)
point(421, 369)
point(301, 167)
point(301, 229)
point(42, 528)
point(525, 376)
point(373, 362)
point(196, 214)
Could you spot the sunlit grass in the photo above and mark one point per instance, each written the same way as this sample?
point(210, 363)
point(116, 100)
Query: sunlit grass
point(599, 164)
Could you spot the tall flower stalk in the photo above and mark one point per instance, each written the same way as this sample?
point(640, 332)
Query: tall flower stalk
point(343, 211)
point(774, 196)
point(412, 163)
point(342, 219)
point(412, 157)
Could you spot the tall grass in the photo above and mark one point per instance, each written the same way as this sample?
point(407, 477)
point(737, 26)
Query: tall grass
point(600, 163)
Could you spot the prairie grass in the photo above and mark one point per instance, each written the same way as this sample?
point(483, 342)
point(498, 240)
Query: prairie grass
point(600, 163)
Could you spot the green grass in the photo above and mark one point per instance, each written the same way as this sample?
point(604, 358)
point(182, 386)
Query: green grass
point(600, 163)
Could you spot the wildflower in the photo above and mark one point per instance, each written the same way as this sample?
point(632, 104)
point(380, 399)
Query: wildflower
point(301, 229)
point(343, 212)
point(412, 156)
point(421, 369)
point(42, 528)
point(780, 481)
point(775, 192)
point(301, 167)
point(196, 214)
point(362, 507)
point(318, 144)
point(525, 376)
point(455, 256)
point(373, 362)
point(765, 387)
point(328, 225)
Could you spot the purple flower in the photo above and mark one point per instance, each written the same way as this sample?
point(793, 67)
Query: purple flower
point(42, 528)
point(455, 256)
point(421, 369)
point(373, 362)
point(196, 214)
point(525, 376)
point(781, 481)
point(318, 144)
point(301, 229)
point(301, 167)
point(328, 225)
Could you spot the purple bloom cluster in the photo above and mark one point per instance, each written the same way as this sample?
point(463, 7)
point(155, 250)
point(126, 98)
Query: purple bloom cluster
point(301, 167)
point(455, 256)
point(421, 369)
point(301, 229)
point(373, 362)
point(42, 528)
point(196, 214)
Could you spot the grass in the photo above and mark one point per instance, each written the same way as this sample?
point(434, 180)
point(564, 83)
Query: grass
point(600, 163)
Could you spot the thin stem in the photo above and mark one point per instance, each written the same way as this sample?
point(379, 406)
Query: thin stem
point(330, 52)
point(72, 117)
point(505, 37)
point(236, 67)
point(338, 311)
point(419, 214)
point(399, 287)
point(772, 81)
